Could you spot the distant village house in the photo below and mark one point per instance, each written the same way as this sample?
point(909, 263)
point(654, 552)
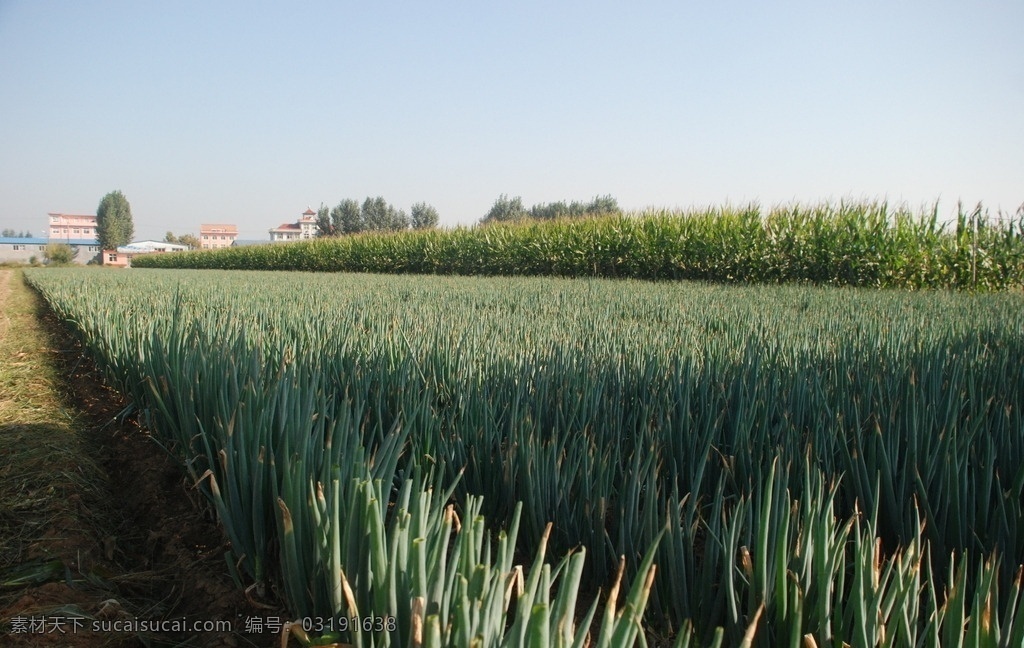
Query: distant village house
point(22, 250)
point(122, 256)
point(304, 228)
point(214, 236)
point(77, 231)
point(69, 227)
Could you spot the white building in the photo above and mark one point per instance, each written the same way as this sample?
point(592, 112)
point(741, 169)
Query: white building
point(146, 247)
point(304, 228)
point(122, 256)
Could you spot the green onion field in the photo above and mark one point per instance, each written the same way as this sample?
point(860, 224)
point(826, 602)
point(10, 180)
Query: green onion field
point(476, 458)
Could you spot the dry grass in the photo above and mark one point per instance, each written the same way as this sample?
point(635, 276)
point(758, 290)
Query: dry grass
point(52, 490)
point(47, 478)
point(93, 522)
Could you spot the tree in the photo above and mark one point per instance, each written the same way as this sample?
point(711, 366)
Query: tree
point(375, 214)
point(114, 226)
point(59, 254)
point(349, 217)
point(505, 209)
point(380, 216)
point(423, 216)
point(185, 239)
point(346, 217)
point(603, 205)
point(7, 233)
point(324, 226)
point(551, 211)
point(398, 220)
point(599, 206)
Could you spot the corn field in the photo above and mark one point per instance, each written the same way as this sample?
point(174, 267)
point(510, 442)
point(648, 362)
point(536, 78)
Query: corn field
point(867, 245)
point(729, 465)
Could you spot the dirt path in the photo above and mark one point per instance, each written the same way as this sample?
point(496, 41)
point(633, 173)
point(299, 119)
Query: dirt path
point(96, 523)
point(5, 279)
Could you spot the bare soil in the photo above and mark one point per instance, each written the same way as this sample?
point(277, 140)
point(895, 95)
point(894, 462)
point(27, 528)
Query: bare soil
point(140, 545)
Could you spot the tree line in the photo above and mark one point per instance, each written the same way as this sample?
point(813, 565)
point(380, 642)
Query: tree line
point(507, 209)
point(9, 233)
point(373, 215)
point(378, 215)
point(190, 240)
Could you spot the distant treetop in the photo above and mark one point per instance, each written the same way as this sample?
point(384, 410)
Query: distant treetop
point(511, 209)
point(374, 215)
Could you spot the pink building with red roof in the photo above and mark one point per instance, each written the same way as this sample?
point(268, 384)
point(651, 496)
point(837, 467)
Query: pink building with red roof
point(304, 228)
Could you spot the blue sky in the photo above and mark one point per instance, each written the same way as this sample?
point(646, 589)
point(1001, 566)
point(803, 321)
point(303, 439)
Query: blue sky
point(248, 112)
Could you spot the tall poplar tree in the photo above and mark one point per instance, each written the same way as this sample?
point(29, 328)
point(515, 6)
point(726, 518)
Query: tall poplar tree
point(114, 226)
point(423, 216)
point(324, 226)
point(347, 218)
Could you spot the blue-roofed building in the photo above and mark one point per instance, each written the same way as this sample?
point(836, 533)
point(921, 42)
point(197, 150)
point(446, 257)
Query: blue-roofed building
point(122, 256)
point(22, 250)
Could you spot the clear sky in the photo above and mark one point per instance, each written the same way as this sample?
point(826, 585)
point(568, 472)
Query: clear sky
point(246, 112)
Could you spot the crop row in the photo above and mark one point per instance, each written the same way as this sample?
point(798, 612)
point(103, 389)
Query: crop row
point(824, 465)
point(857, 245)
